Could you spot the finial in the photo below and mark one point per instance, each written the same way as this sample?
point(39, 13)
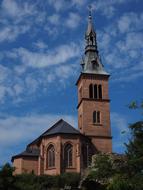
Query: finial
point(90, 10)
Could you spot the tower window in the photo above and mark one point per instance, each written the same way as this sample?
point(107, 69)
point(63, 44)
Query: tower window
point(80, 93)
point(96, 117)
point(100, 91)
point(51, 156)
point(95, 91)
point(91, 91)
point(68, 155)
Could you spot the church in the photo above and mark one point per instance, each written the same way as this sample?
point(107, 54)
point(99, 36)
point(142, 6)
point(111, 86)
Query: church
point(63, 148)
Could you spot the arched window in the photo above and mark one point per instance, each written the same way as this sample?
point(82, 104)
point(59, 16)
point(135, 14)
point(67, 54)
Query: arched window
point(51, 156)
point(95, 91)
point(68, 155)
point(98, 117)
point(91, 91)
point(100, 91)
point(94, 117)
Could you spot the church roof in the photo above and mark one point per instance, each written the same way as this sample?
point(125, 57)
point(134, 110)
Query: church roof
point(29, 152)
point(61, 127)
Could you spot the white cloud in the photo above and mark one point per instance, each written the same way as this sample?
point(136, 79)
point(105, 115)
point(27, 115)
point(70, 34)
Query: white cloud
point(17, 10)
point(63, 4)
point(40, 45)
point(73, 20)
point(18, 129)
point(16, 18)
point(10, 7)
point(18, 89)
point(130, 22)
point(108, 8)
point(54, 19)
point(10, 33)
point(79, 2)
point(19, 83)
point(133, 41)
point(60, 55)
point(21, 130)
point(121, 45)
point(31, 84)
point(120, 131)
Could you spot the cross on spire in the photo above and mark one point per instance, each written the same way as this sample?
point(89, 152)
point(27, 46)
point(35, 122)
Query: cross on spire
point(90, 10)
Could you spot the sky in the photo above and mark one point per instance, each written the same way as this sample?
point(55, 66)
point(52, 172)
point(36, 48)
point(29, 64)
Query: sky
point(41, 45)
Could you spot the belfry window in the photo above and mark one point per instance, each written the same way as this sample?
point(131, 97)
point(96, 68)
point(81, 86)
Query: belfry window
point(95, 91)
point(96, 117)
point(100, 91)
point(68, 155)
point(91, 91)
point(51, 156)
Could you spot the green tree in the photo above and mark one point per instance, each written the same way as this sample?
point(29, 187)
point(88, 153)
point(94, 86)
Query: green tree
point(7, 180)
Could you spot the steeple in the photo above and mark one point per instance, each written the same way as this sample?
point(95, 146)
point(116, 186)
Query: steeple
point(91, 62)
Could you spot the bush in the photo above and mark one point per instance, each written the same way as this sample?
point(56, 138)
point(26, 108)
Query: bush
point(69, 179)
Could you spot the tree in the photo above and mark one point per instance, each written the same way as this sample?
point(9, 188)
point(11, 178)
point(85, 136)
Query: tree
point(104, 167)
point(7, 180)
point(134, 150)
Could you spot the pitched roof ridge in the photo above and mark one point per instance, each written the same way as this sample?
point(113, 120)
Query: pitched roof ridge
point(45, 131)
point(71, 126)
point(52, 127)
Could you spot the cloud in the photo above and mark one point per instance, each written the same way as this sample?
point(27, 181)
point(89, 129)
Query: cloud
point(16, 18)
point(10, 33)
point(11, 8)
point(21, 130)
point(63, 4)
point(40, 45)
point(120, 131)
point(14, 10)
point(126, 37)
point(54, 19)
point(73, 20)
point(36, 70)
point(130, 22)
point(108, 8)
point(60, 55)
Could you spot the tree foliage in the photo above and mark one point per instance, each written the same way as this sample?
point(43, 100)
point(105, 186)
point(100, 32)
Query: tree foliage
point(8, 181)
point(120, 172)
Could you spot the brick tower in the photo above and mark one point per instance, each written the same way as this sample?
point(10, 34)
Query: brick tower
point(93, 99)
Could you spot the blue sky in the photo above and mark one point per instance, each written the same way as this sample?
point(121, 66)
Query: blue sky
point(41, 45)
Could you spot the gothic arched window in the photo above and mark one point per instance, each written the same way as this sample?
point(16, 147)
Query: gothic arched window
point(95, 91)
point(51, 156)
point(91, 91)
point(96, 117)
point(100, 91)
point(68, 155)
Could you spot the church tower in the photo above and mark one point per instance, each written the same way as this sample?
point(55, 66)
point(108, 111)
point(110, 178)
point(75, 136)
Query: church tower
point(93, 99)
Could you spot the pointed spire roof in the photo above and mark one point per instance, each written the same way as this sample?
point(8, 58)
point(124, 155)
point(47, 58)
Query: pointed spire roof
point(90, 27)
point(91, 63)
